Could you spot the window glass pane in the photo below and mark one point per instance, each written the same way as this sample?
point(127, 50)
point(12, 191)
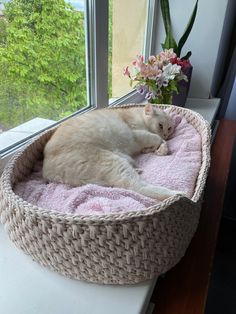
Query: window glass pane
point(42, 60)
point(127, 27)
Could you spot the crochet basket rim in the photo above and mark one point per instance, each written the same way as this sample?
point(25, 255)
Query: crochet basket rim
point(192, 117)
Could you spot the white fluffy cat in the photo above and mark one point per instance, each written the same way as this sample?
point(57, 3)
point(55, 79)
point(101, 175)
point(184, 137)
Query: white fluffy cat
point(97, 147)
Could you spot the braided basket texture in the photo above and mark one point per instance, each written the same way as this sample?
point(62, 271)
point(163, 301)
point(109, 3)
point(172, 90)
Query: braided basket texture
point(122, 248)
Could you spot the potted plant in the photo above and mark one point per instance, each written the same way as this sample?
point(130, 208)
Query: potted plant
point(164, 78)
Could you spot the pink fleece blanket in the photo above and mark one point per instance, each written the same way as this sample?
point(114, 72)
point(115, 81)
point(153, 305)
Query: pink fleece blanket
point(178, 170)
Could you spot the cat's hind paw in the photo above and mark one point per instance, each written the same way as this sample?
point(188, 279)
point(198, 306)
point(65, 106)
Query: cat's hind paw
point(162, 150)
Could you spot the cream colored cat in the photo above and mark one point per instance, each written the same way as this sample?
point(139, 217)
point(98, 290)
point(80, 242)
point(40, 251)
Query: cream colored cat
point(97, 147)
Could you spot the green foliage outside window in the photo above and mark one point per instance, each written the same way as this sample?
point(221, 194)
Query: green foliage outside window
point(42, 61)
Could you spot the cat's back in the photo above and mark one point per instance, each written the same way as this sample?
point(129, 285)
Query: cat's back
point(94, 123)
point(101, 127)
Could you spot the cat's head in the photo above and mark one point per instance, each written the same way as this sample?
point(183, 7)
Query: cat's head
point(158, 121)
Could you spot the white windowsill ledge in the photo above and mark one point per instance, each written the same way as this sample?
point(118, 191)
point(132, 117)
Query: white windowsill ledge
point(21, 132)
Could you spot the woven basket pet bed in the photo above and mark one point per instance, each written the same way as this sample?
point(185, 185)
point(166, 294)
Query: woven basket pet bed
point(119, 248)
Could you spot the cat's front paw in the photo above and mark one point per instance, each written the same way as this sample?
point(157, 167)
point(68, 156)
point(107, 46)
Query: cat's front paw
point(162, 150)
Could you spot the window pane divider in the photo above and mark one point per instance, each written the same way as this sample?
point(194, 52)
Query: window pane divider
point(97, 51)
point(151, 29)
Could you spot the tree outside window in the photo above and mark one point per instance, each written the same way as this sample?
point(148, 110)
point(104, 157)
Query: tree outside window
point(42, 61)
point(55, 55)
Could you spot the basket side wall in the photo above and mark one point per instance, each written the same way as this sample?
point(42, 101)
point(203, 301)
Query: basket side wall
point(119, 249)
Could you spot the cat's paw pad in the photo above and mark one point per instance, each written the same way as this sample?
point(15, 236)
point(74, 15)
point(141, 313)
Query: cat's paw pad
point(162, 150)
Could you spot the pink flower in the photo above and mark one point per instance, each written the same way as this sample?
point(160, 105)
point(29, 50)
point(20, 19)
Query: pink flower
point(126, 71)
point(139, 61)
point(149, 71)
point(152, 59)
point(166, 55)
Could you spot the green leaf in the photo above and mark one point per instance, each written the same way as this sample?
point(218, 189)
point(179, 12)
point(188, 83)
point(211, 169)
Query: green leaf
point(187, 29)
point(187, 56)
point(165, 10)
point(169, 40)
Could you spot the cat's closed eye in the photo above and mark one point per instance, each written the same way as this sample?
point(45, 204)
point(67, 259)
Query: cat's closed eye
point(169, 129)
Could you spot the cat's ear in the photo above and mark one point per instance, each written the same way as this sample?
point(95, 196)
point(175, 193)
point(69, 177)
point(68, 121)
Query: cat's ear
point(149, 110)
point(177, 119)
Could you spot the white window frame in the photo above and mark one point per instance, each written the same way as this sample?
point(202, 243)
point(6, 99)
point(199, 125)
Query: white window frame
point(96, 27)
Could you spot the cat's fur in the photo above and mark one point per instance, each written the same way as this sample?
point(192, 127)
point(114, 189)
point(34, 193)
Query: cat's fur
point(97, 147)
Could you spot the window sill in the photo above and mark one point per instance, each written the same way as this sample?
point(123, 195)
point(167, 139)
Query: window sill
point(10, 140)
point(21, 132)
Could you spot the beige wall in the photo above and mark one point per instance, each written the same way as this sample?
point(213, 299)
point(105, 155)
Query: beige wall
point(129, 26)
